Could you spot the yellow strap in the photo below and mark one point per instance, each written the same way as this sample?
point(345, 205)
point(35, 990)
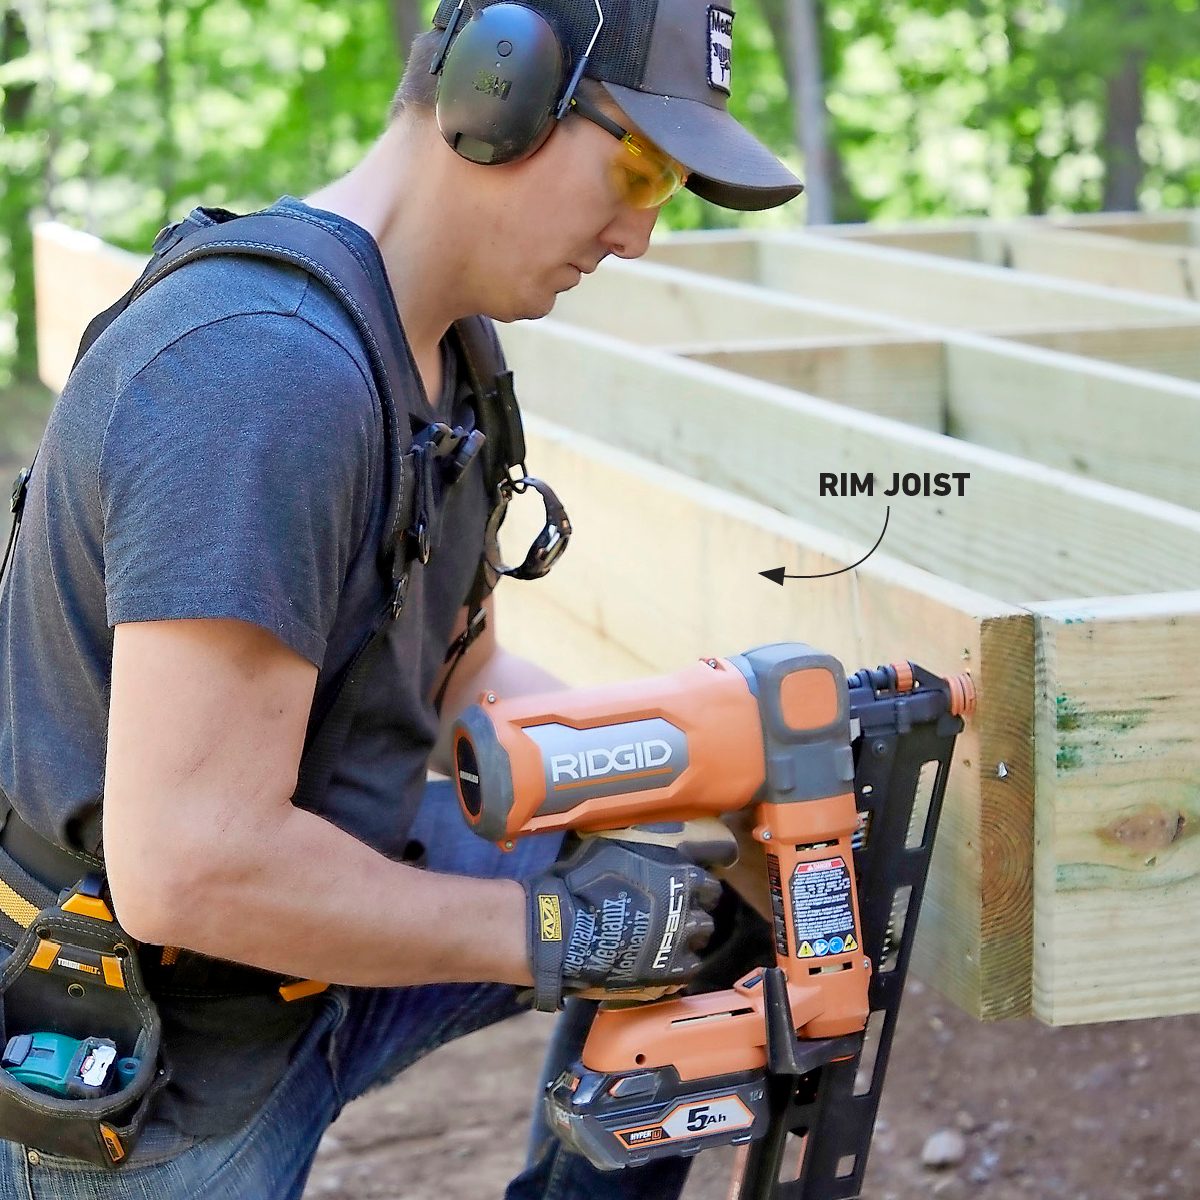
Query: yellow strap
point(16, 907)
point(170, 955)
point(112, 1143)
point(301, 988)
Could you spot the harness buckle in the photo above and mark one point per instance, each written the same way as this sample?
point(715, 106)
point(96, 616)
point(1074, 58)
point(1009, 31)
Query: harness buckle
point(166, 238)
point(19, 488)
point(399, 595)
point(468, 448)
point(421, 537)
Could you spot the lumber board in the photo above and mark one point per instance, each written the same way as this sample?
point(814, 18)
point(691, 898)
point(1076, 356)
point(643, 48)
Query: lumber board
point(1111, 262)
point(890, 375)
point(541, 623)
point(1117, 868)
point(1123, 425)
point(1021, 532)
point(1127, 428)
point(1169, 348)
point(76, 276)
point(1179, 227)
point(686, 585)
point(653, 306)
point(1163, 260)
point(956, 237)
point(925, 288)
point(948, 239)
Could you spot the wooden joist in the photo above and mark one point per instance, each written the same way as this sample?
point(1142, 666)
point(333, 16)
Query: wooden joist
point(1091, 421)
point(1058, 409)
point(1117, 865)
point(76, 276)
point(1130, 251)
point(1180, 227)
point(948, 292)
point(845, 369)
point(1172, 348)
point(1020, 532)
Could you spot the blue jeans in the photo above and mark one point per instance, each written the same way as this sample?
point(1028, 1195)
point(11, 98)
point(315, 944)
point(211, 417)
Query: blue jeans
point(360, 1039)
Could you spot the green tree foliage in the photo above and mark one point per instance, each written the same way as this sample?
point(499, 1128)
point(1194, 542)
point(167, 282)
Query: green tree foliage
point(999, 107)
point(118, 115)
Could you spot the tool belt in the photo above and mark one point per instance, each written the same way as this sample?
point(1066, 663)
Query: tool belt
point(74, 971)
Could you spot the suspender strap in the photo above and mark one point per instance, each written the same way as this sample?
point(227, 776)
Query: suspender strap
point(19, 489)
point(496, 403)
point(497, 412)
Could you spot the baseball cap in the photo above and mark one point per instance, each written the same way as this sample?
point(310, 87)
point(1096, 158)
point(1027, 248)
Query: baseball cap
point(668, 65)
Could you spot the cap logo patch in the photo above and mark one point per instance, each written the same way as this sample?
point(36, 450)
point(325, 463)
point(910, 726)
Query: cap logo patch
point(720, 48)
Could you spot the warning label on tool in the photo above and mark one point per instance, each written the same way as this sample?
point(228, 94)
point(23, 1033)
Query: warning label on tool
point(822, 908)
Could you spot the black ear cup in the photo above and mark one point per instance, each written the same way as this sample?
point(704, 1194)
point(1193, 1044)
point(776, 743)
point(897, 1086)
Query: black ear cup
point(500, 84)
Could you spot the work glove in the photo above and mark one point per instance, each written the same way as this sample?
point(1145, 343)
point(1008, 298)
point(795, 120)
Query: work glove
point(625, 912)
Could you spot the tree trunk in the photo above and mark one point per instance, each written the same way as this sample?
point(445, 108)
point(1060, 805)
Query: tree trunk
point(18, 197)
point(164, 85)
point(810, 118)
point(1123, 180)
point(407, 21)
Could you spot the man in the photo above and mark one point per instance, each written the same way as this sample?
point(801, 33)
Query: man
point(199, 554)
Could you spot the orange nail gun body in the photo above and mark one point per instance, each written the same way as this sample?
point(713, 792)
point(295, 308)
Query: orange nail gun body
point(781, 730)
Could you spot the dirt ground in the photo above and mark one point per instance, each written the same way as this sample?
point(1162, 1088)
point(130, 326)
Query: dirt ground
point(1101, 1112)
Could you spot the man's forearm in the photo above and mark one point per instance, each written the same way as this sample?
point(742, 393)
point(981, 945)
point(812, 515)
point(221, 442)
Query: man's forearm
point(304, 898)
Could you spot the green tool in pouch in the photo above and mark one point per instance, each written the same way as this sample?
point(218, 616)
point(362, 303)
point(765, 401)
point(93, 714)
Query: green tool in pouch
point(73, 1009)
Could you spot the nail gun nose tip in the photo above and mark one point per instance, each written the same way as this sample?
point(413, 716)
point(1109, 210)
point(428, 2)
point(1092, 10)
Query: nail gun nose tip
point(904, 676)
point(963, 695)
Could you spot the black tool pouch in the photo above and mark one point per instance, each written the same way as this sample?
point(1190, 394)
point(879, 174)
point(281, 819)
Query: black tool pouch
point(78, 975)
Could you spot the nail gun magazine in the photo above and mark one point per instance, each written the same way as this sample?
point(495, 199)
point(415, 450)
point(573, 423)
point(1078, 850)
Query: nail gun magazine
point(843, 778)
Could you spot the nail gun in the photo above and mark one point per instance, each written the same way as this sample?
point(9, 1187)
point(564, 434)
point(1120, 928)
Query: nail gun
point(845, 778)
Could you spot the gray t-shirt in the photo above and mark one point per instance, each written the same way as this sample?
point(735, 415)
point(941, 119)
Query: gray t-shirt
point(219, 452)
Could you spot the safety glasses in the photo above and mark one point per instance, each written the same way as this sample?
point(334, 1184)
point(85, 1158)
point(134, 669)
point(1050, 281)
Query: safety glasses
point(547, 546)
point(645, 177)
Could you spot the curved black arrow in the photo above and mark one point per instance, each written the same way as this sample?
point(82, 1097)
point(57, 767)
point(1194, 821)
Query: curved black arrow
point(778, 574)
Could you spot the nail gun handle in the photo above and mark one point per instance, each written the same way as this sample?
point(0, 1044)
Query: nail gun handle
point(706, 841)
point(806, 820)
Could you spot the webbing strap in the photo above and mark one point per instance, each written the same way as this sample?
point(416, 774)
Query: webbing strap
point(15, 907)
point(22, 897)
point(497, 412)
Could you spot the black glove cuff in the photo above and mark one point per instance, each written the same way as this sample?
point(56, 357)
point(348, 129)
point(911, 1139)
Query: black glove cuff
point(551, 916)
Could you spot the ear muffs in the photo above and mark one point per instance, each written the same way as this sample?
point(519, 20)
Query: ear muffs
point(500, 84)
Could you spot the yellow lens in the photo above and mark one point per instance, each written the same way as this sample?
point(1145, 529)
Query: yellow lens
point(646, 177)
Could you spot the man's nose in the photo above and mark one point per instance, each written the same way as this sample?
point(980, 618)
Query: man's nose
point(629, 235)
